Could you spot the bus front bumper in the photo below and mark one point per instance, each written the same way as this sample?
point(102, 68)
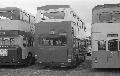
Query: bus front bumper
point(61, 64)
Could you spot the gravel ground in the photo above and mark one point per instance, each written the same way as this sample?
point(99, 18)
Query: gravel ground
point(84, 69)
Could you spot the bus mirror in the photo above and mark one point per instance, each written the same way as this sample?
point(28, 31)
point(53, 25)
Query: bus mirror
point(24, 44)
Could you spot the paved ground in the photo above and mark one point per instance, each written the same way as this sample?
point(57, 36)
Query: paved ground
point(83, 69)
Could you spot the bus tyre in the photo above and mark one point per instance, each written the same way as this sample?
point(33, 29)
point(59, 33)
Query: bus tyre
point(77, 60)
point(30, 59)
point(84, 58)
point(74, 65)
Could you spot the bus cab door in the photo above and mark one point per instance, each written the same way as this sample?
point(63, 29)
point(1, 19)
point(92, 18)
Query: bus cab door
point(113, 54)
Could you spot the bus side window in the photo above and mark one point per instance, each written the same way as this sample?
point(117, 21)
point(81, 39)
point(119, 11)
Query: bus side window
point(102, 45)
point(113, 45)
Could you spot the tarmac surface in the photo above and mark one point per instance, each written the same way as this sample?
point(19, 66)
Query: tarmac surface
point(84, 69)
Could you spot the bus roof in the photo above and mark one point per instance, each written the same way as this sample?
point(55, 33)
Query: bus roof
point(106, 6)
point(47, 7)
point(9, 9)
point(14, 8)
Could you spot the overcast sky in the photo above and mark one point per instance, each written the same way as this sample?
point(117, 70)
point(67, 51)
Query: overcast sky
point(82, 7)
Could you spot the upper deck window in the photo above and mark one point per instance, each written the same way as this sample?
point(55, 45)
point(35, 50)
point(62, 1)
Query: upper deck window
point(105, 17)
point(11, 15)
point(116, 17)
point(109, 17)
point(53, 15)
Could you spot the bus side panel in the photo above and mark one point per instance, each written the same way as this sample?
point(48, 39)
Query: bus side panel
point(103, 59)
point(99, 59)
point(51, 54)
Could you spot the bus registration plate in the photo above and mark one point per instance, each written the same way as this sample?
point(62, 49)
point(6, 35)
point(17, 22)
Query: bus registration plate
point(3, 52)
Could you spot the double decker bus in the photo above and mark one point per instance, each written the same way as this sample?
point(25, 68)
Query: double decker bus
point(106, 36)
point(59, 36)
point(16, 36)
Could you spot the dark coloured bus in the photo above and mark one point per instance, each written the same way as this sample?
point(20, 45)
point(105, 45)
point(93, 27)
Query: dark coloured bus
point(59, 36)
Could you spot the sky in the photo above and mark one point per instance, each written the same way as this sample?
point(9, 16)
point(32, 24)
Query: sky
point(82, 7)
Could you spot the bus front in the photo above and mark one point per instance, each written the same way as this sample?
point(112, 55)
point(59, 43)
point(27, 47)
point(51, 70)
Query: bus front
point(10, 51)
point(16, 36)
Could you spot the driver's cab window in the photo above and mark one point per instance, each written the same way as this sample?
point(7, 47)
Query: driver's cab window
point(113, 45)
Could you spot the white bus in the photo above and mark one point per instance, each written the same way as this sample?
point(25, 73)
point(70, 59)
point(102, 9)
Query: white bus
point(106, 36)
point(16, 36)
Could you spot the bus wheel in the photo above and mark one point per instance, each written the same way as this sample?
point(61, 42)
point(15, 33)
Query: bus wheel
point(30, 59)
point(77, 60)
point(74, 65)
point(84, 58)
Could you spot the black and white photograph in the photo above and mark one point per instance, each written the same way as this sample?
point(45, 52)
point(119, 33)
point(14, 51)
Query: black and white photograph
point(59, 37)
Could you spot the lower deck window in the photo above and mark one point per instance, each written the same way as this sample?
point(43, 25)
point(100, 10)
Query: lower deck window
point(53, 41)
point(113, 45)
point(102, 45)
point(6, 41)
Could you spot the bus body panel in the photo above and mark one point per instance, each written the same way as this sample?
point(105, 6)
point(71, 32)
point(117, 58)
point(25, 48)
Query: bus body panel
point(52, 54)
point(18, 30)
point(14, 25)
point(105, 58)
point(13, 56)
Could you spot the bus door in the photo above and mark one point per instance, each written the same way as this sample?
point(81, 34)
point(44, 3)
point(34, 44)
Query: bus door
point(112, 55)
